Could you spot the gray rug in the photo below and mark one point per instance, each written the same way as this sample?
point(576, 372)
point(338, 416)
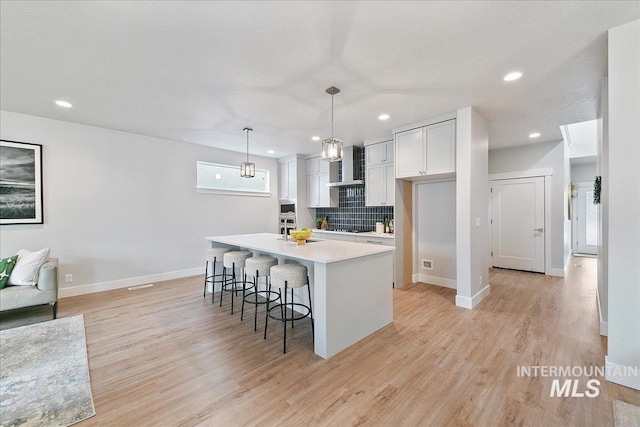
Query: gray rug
point(625, 414)
point(44, 378)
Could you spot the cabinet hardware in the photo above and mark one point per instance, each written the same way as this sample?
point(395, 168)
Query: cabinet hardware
point(538, 229)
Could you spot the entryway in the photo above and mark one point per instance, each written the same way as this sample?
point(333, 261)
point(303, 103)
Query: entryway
point(585, 220)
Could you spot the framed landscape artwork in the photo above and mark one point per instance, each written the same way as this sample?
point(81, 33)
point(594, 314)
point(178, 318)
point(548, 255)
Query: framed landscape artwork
point(20, 183)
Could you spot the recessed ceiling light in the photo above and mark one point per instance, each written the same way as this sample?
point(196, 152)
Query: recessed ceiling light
point(65, 104)
point(315, 138)
point(383, 117)
point(534, 135)
point(270, 151)
point(512, 76)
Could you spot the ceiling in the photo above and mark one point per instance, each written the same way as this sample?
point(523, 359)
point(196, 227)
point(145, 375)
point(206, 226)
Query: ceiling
point(200, 72)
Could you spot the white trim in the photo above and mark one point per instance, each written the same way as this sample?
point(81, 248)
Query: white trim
point(604, 326)
point(125, 283)
point(628, 381)
point(378, 140)
point(466, 302)
point(531, 173)
point(427, 122)
point(547, 229)
point(556, 272)
point(233, 192)
point(434, 280)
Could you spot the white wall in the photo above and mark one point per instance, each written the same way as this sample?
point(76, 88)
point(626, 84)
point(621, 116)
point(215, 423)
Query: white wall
point(435, 231)
point(624, 201)
point(119, 206)
point(540, 156)
point(583, 172)
point(472, 204)
point(603, 217)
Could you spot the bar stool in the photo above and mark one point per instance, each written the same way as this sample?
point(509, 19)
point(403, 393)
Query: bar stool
point(213, 256)
point(233, 260)
point(289, 276)
point(256, 267)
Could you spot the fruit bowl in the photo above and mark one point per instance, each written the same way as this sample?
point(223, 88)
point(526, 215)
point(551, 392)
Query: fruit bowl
point(301, 236)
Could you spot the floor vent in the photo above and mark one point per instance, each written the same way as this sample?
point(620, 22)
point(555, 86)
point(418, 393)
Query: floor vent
point(135, 288)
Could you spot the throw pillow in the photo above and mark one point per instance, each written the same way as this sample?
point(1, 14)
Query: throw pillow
point(27, 268)
point(6, 267)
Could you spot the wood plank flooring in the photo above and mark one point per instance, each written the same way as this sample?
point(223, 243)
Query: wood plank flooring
point(164, 356)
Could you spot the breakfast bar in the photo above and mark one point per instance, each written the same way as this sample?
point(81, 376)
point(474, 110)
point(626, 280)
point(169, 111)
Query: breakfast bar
point(351, 284)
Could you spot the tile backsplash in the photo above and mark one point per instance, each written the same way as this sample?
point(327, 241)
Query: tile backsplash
point(351, 212)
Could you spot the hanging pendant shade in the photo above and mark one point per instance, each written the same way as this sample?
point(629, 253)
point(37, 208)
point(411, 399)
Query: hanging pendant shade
point(332, 147)
point(247, 169)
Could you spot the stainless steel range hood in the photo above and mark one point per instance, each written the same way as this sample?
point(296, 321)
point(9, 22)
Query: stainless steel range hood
point(351, 159)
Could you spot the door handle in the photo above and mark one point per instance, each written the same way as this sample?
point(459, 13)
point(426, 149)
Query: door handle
point(539, 229)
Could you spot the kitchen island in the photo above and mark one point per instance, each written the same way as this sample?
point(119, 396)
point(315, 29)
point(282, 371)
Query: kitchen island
point(351, 284)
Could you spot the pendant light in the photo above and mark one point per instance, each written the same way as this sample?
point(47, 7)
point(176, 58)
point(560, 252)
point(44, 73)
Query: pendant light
point(332, 147)
point(247, 169)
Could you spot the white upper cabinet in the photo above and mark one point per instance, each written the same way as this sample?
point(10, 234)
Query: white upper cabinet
point(429, 150)
point(382, 152)
point(287, 179)
point(379, 174)
point(440, 140)
point(316, 165)
point(319, 174)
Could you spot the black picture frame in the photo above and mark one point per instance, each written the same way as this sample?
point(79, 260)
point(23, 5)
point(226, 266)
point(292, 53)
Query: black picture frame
point(21, 195)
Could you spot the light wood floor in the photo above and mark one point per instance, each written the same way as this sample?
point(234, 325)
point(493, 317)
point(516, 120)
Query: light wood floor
point(164, 356)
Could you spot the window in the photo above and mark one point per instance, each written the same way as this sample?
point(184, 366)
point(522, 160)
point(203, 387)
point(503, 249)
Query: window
point(217, 178)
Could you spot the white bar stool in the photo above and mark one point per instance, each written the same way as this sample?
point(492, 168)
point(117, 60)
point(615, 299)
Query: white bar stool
point(289, 276)
point(213, 256)
point(233, 260)
point(259, 266)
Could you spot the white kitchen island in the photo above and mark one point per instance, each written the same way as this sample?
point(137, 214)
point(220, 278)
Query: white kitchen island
point(351, 284)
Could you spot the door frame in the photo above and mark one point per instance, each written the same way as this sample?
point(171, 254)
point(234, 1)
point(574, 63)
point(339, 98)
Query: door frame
point(574, 207)
point(547, 174)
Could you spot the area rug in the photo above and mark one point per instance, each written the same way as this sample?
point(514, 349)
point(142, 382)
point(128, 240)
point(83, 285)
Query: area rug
point(625, 414)
point(44, 374)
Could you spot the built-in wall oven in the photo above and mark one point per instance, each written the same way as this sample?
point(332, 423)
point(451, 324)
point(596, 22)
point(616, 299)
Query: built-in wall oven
point(287, 218)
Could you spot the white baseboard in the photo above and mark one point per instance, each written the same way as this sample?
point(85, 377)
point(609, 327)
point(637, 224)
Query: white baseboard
point(557, 272)
point(604, 326)
point(125, 283)
point(466, 302)
point(615, 374)
point(434, 280)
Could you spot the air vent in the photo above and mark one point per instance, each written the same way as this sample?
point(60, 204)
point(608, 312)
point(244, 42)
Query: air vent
point(427, 264)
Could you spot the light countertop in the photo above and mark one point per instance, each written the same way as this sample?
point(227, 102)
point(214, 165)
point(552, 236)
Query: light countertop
point(348, 233)
point(322, 251)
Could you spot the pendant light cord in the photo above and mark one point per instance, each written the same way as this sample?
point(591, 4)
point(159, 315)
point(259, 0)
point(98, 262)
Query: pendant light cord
point(331, 116)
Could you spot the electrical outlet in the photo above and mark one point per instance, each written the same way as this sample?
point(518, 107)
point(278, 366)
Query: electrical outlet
point(427, 264)
point(68, 278)
point(480, 280)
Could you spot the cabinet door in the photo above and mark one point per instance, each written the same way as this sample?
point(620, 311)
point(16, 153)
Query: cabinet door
point(313, 165)
point(441, 147)
point(390, 150)
point(410, 156)
point(390, 185)
point(375, 186)
point(283, 181)
point(312, 191)
point(323, 166)
point(292, 179)
point(324, 199)
point(375, 154)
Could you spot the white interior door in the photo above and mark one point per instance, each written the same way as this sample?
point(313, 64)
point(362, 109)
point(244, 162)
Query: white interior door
point(517, 210)
point(586, 218)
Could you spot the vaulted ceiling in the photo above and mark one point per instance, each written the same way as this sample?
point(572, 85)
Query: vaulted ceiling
point(200, 72)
